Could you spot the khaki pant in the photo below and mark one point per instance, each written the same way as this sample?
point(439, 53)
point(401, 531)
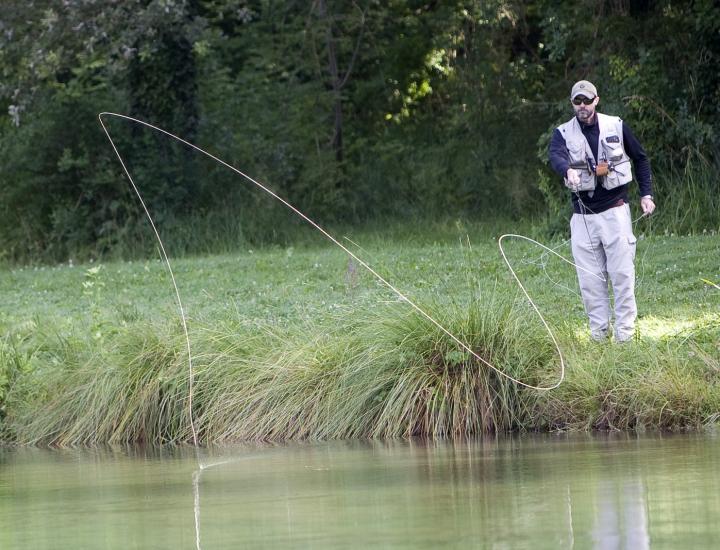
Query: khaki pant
point(603, 246)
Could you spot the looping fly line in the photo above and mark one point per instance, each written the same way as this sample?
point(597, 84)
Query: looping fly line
point(334, 241)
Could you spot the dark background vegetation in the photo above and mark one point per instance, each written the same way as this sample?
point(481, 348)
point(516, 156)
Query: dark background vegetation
point(356, 111)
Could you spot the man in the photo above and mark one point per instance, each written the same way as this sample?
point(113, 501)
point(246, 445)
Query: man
point(593, 152)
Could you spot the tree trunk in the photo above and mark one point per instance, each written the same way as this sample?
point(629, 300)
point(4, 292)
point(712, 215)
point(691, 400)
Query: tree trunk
point(337, 141)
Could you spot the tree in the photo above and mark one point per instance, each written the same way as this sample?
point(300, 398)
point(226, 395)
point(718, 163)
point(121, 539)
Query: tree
point(337, 80)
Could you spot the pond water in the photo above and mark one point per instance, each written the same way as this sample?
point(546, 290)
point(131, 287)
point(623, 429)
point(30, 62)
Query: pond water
point(550, 491)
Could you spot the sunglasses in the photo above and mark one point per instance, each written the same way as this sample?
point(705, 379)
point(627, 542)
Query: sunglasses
point(582, 100)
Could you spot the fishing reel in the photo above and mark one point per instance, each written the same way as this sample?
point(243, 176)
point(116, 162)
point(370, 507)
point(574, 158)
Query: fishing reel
point(599, 169)
point(608, 162)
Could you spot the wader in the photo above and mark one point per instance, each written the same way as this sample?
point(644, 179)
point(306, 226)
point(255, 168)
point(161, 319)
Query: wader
point(604, 245)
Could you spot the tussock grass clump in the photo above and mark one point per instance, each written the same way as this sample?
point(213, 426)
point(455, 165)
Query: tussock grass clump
point(639, 385)
point(135, 390)
point(440, 389)
point(393, 374)
point(387, 373)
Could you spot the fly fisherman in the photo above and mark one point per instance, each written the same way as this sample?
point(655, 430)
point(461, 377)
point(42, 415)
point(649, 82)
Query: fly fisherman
point(592, 152)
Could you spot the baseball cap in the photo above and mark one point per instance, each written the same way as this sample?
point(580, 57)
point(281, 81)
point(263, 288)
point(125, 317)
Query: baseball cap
point(583, 87)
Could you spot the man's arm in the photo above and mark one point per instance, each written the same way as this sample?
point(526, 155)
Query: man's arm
point(641, 162)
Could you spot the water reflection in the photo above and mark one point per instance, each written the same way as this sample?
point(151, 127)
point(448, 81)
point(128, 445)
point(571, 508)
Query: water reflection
point(621, 516)
point(521, 492)
point(496, 493)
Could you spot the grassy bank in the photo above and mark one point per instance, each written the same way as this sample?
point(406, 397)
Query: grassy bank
point(301, 343)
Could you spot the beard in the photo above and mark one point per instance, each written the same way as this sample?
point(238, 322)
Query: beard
point(584, 115)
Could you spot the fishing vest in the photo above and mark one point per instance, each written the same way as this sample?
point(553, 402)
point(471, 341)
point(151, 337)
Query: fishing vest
point(610, 149)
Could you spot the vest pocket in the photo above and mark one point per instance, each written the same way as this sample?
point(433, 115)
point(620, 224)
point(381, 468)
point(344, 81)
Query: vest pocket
point(614, 154)
point(612, 180)
point(577, 153)
point(587, 180)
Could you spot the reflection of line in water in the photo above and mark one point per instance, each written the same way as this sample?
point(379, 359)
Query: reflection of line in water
point(196, 493)
point(196, 489)
point(570, 518)
point(196, 478)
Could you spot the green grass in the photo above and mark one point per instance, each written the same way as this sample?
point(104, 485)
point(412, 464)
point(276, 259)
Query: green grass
point(295, 342)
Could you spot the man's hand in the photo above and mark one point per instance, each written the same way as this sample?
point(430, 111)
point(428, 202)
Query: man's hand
point(647, 205)
point(572, 180)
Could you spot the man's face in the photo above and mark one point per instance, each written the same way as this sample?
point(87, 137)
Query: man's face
point(584, 108)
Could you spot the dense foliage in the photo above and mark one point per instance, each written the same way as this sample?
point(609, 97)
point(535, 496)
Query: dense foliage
point(351, 109)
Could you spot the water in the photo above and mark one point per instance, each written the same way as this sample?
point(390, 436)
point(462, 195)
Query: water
point(507, 493)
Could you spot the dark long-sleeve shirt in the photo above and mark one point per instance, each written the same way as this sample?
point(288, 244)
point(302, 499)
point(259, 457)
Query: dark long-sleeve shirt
point(602, 199)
